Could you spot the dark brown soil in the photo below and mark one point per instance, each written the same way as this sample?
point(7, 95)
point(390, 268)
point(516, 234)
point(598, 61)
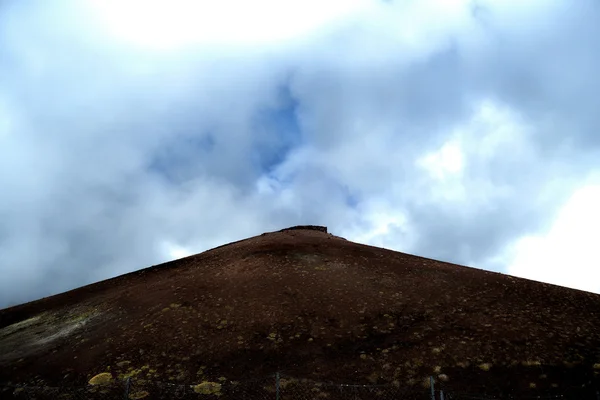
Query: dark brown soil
point(311, 305)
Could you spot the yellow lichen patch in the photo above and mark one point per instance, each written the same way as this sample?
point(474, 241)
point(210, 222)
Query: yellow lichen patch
point(130, 373)
point(83, 315)
point(123, 363)
point(437, 369)
point(532, 385)
point(139, 395)
point(597, 366)
point(531, 363)
point(270, 389)
point(175, 305)
point(443, 377)
point(363, 356)
point(103, 378)
point(207, 387)
point(417, 362)
point(485, 366)
point(283, 382)
point(373, 377)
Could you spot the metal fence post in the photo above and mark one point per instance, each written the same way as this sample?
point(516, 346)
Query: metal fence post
point(441, 394)
point(277, 385)
point(127, 387)
point(432, 388)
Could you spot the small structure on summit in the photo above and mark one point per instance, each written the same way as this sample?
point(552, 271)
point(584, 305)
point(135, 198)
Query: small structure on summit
point(306, 227)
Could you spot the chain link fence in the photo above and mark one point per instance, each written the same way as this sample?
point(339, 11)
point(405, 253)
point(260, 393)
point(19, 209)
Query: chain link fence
point(271, 388)
point(573, 394)
point(104, 392)
point(291, 388)
point(585, 392)
point(278, 387)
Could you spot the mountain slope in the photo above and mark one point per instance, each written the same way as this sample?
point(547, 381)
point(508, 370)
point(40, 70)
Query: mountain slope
point(312, 305)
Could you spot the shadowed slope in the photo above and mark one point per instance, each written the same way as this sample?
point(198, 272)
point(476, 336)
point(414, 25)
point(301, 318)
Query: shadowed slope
point(313, 305)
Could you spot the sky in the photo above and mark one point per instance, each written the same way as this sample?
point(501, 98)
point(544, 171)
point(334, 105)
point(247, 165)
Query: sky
point(136, 132)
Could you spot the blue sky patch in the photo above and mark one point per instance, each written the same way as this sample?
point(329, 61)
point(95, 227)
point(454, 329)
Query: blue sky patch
point(280, 129)
point(182, 156)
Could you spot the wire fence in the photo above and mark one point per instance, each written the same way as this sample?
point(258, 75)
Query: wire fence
point(277, 387)
point(584, 392)
point(568, 395)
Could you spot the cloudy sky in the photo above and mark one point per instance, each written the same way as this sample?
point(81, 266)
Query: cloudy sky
point(135, 132)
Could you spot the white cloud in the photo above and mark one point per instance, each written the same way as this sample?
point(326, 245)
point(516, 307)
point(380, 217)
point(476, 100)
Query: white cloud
point(445, 162)
point(568, 255)
point(173, 251)
point(174, 25)
point(456, 171)
point(381, 225)
point(135, 132)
